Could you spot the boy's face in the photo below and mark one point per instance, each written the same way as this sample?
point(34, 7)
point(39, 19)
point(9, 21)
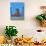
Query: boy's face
point(44, 10)
point(17, 12)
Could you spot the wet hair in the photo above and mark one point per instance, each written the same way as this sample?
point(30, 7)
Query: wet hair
point(17, 9)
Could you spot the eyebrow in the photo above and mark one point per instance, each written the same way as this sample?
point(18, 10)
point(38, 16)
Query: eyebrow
point(43, 7)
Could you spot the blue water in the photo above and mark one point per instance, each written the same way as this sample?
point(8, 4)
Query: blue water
point(17, 5)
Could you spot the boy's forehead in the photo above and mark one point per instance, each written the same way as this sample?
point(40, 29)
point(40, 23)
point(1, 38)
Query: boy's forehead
point(42, 7)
